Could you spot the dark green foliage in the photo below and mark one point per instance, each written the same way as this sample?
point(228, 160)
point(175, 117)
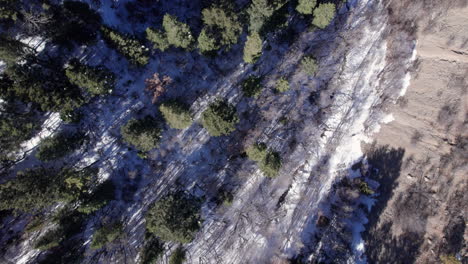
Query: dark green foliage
point(323, 15)
point(152, 249)
point(178, 34)
point(282, 85)
point(252, 87)
point(178, 256)
point(208, 40)
point(106, 234)
point(220, 118)
point(96, 80)
point(257, 152)
point(58, 146)
point(128, 46)
point(15, 128)
point(271, 164)
point(253, 48)
point(73, 21)
point(47, 87)
point(260, 11)
point(175, 217)
point(225, 197)
point(222, 28)
point(37, 223)
point(309, 65)
point(12, 50)
point(39, 188)
point(144, 134)
point(306, 6)
point(158, 38)
point(365, 189)
point(8, 10)
point(103, 194)
point(50, 239)
point(176, 114)
point(269, 161)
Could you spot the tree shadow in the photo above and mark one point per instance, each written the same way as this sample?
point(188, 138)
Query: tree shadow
point(381, 246)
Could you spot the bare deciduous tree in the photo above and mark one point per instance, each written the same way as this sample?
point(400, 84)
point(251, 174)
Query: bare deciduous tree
point(156, 86)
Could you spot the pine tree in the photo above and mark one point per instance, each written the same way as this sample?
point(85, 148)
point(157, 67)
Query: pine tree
point(253, 48)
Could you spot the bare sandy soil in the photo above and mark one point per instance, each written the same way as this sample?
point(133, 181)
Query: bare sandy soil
point(422, 155)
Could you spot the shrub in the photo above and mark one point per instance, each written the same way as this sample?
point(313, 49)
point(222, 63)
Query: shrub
point(175, 217)
point(309, 65)
point(178, 256)
point(449, 259)
point(252, 48)
point(282, 85)
point(176, 114)
point(144, 134)
point(130, 47)
point(106, 234)
point(306, 6)
point(271, 164)
point(50, 239)
point(97, 80)
point(225, 197)
point(158, 39)
point(220, 118)
point(177, 33)
point(365, 189)
point(252, 86)
point(221, 28)
point(323, 15)
point(58, 146)
point(257, 152)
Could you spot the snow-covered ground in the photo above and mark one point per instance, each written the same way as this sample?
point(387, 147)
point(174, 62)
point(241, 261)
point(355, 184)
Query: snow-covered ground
point(257, 227)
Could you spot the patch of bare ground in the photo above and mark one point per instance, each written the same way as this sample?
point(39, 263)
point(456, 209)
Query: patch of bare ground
point(421, 156)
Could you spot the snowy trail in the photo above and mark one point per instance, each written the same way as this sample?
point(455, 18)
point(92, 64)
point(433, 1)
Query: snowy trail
point(271, 233)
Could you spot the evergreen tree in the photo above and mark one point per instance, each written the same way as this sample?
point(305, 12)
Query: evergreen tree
point(175, 217)
point(309, 65)
point(222, 28)
point(178, 34)
point(144, 134)
point(306, 6)
point(39, 188)
point(282, 85)
point(323, 15)
point(176, 114)
point(128, 46)
point(158, 38)
point(260, 11)
point(253, 48)
point(220, 118)
point(8, 10)
point(252, 86)
point(12, 50)
point(96, 80)
point(58, 146)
